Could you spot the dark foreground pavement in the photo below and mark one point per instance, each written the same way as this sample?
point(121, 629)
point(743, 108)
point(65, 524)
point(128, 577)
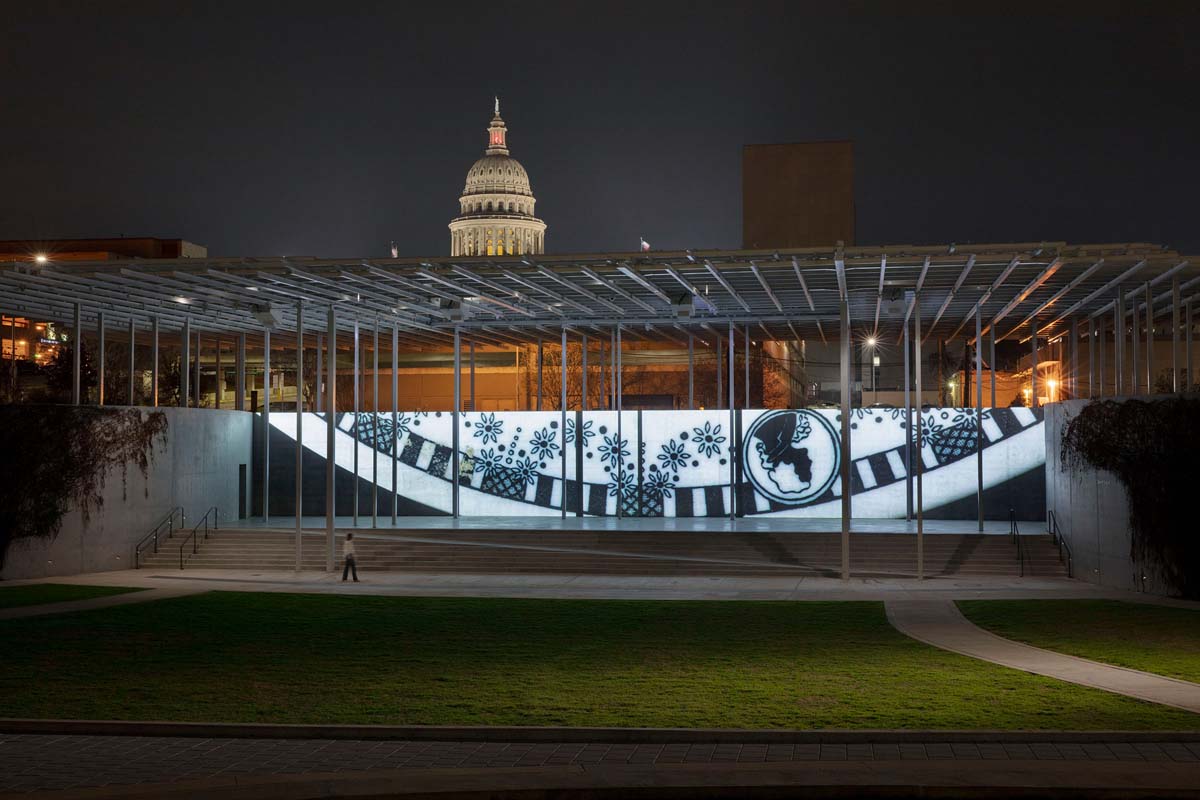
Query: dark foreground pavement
point(879, 764)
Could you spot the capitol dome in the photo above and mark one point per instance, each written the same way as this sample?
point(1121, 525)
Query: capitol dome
point(496, 209)
point(498, 173)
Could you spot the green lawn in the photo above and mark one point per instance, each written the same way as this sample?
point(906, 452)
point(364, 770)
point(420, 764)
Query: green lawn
point(243, 657)
point(1160, 639)
point(38, 593)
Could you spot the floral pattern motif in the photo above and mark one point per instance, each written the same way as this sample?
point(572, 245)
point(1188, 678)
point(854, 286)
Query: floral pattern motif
point(489, 462)
point(489, 428)
point(614, 450)
point(543, 444)
point(674, 455)
point(527, 471)
point(708, 439)
point(621, 484)
point(586, 433)
point(660, 483)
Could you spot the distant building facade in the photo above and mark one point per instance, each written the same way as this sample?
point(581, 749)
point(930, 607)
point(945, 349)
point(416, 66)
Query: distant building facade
point(39, 250)
point(797, 195)
point(496, 210)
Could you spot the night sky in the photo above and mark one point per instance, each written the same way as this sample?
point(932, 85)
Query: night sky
point(269, 129)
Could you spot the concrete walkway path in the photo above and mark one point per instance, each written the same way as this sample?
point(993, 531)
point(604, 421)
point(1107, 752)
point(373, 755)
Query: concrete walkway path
point(143, 596)
point(938, 622)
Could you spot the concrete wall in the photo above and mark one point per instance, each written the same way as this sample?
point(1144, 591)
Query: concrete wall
point(197, 468)
point(1092, 510)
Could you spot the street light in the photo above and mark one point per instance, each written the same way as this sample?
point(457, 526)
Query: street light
point(871, 342)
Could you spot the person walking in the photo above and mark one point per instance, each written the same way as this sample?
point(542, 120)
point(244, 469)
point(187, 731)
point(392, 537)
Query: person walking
point(348, 554)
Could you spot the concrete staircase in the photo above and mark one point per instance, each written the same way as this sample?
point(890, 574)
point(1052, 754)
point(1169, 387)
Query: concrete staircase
point(624, 553)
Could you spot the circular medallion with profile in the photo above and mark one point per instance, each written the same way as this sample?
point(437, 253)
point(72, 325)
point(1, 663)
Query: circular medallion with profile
point(791, 456)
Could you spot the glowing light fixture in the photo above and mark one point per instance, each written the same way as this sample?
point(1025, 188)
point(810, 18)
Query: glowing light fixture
point(41, 258)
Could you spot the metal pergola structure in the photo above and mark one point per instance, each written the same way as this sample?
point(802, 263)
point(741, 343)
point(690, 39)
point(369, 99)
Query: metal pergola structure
point(977, 293)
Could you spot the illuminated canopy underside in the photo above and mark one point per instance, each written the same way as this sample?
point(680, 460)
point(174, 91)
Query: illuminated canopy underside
point(785, 295)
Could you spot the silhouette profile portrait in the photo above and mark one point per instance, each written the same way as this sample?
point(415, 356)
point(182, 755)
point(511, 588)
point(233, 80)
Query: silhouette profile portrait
point(787, 465)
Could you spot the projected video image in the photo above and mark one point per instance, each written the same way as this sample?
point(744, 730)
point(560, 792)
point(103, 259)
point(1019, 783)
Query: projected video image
point(681, 463)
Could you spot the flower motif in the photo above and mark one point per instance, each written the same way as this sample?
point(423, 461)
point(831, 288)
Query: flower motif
point(621, 484)
point(708, 439)
point(585, 432)
point(489, 428)
point(674, 455)
point(543, 445)
point(403, 420)
point(660, 483)
point(527, 471)
point(614, 449)
point(489, 462)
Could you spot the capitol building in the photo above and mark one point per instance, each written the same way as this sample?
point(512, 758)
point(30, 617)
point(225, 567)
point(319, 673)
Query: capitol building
point(496, 210)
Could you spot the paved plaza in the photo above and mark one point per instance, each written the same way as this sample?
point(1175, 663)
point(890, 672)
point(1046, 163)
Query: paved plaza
point(38, 762)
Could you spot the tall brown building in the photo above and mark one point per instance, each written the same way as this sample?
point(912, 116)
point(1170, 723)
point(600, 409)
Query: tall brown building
point(797, 195)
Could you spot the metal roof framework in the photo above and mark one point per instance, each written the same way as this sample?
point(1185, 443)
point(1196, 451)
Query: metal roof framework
point(505, 301)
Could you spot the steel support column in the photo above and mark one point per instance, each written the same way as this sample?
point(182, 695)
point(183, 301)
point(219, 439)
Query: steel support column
point(375, 429)
point(1033, 364)
point(720, 375)
point(76, 355)
point(100, 361)
point(330, 437)
point(196, 388)
point(132, 359)
point(356, 399)
point(471, 360)
point(154, 360)
point(456, 421)
point(1091, 332)
point(844, 456)
point(1134, 344)
point(395, 420)
point(1188, 381)
point(583, 395)
point(919, 443)
point(908, 416)
point(1074, 356)
point(746, 365)
point(185, 361)
point(318, 394)
point(299, 431)
point(992, 359)
point(220, 383)
point(539, 374)
point(1149, 340)
point(1119, 344)
point(562, 383)
point(732, 429)
point(266, 420)
point(691, 370)
point(239, 379)
point(979, 412)
point(617, 394)
point(1175, 383)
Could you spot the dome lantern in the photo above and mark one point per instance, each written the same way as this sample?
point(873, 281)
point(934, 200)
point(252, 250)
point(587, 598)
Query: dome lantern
point(496, 209)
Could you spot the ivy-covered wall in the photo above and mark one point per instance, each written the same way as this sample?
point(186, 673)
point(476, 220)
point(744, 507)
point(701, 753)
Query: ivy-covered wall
point(1121, 483)
point(191, 457)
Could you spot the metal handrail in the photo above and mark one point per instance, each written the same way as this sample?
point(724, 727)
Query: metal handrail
point(192, 537)
point(168, 522)
point(1014, 532)
point(1057, 537)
